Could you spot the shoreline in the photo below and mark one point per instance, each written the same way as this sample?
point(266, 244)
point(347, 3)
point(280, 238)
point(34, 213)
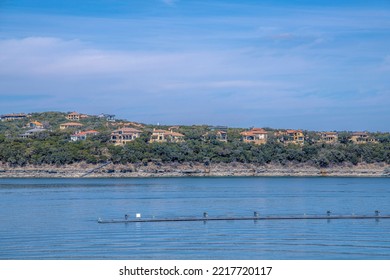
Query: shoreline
point(156, 170)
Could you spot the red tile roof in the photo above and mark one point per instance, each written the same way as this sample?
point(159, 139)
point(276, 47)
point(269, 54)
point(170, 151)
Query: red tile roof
point(360, 133)
point(254, 131)
point(85, 133)
point(166, 132)
point(293, 131)
point(175, 134)
point(160, 131)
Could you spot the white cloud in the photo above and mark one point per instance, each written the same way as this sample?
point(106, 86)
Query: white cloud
point(53, 58)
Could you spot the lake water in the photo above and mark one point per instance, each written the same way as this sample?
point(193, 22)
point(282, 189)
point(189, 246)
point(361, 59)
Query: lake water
point(57, 218)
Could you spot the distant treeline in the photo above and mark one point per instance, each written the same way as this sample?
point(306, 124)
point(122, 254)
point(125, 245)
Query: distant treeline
point(56, 149)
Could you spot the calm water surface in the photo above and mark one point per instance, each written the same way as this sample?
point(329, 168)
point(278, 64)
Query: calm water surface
point(57, 218)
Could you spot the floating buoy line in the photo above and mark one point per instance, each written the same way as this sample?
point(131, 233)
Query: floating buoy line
point(256, 217)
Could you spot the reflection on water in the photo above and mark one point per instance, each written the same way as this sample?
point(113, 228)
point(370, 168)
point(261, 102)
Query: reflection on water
point(56, 218)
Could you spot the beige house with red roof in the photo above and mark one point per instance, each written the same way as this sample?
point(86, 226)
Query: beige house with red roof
point(80, 136)
point(124, 135)
point(295, 136)
point(329, 137)
point(160, 135)
point(291, 136)
point(70, 125)
point(74, 116)
point(362, 138)
point(256, 136)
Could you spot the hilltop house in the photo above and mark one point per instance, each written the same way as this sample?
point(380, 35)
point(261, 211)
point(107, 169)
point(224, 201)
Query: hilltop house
point(30, 133)
point(82, 135)
point(256, 136)
point(124, 135)
point(329, 137)
point(291, 136)
point(160, 136)
point(362, 138)
point(35, 124)
point(219, 135)
point(12, 117)
point(217, 132)
point(108, 117)
point(74, 116)
point(70, 125)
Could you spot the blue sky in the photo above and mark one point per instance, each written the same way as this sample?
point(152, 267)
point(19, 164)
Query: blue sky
point(320, 65)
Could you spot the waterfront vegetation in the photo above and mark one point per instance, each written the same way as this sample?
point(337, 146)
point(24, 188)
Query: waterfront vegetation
point(53, 146)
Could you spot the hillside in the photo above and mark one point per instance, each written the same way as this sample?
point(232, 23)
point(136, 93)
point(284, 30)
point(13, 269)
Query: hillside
point(199, 145)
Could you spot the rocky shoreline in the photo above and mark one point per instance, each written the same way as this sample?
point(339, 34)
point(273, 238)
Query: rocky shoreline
point(109, 170)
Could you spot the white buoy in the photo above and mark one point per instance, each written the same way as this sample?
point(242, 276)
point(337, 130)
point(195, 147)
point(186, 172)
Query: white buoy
point(138, 215)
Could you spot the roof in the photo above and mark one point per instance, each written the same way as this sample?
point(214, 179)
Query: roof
point(14, 115)
point(127, 130)
point(168, 132)
point(254, 131)
point(86, 133)
point(293, 131)
point(36, 123)
point(103, 115)
point(218, 127)
point(175, 134)
point(72, 124)
point(359, 133)
point(160, 131)
point(74, 113)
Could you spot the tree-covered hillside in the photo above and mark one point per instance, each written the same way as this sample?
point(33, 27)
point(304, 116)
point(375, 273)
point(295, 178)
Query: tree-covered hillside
point(53, 146)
